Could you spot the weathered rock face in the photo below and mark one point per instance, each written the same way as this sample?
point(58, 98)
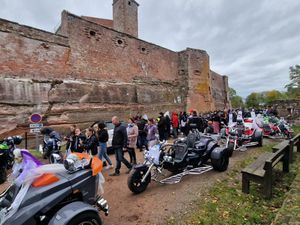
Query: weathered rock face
point(88, 72)
point(288, 108)
point(220, 91)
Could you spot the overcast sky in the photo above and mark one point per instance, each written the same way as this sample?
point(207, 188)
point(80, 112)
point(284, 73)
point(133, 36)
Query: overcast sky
point(254, 42)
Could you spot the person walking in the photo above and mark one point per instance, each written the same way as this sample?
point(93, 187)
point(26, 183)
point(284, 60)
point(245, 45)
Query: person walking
point(175, 124)
point(78, 138)
point(161, 125)
point(69, 138)
point(103, 138)
point(168, 125)
point(142, 138)
point(151, 133)
point(183, 124)
point(91, 142)
point(119, 142)
point(132, 134)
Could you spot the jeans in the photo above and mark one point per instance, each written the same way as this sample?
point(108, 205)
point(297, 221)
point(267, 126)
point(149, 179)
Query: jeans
point(161, 133)
point(132, 155)
point(175, 132)
point(103, 153)
point(120, 158)
point(142, 141)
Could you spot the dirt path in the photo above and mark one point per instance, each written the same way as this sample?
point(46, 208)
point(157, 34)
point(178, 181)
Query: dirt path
point(159, 202)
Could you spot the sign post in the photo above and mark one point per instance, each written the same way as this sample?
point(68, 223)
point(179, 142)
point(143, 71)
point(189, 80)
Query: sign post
point(35, 127)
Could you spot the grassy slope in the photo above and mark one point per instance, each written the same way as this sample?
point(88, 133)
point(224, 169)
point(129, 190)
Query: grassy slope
point(226, 204)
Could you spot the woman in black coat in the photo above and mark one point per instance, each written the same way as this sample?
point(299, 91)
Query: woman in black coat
point(91, 143)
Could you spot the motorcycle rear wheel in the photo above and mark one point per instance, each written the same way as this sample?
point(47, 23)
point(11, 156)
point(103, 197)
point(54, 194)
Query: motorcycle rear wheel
point(3, 175)
point(86, 218)
point(135, 183)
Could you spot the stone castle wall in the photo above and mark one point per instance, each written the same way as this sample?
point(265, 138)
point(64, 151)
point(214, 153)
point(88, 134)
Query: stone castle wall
point(87, 72)
point(220, 91)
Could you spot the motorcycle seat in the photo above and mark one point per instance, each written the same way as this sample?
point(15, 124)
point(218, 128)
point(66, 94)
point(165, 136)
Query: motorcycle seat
point(180, 151)
point(202, 144)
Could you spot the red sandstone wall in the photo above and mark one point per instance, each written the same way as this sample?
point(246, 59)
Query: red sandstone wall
point(199, 81)
point(28, 52)
point(110, 55)
point(220, 90)
point(92, 73)
point(83, 77)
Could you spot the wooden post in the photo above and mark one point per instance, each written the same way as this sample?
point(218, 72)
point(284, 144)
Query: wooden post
point(291, 151)
point(298, 144)
point(267, 184)
point(286, 159)
point(26, 143)
point(245, 183)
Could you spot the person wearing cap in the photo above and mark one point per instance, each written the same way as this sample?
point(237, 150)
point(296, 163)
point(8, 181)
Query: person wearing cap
point(132, 135)
point(142, 137)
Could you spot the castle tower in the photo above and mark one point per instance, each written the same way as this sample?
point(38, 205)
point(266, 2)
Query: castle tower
point(125, 16)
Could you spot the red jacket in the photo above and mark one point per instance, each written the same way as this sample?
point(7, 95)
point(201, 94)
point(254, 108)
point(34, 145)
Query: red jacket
point(175, 121)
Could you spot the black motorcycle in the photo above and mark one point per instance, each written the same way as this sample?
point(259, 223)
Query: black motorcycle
point(7, 146)
point(189, 154)
point(51, 148)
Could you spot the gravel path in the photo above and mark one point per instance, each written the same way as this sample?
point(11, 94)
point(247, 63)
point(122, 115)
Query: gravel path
point(160, 201)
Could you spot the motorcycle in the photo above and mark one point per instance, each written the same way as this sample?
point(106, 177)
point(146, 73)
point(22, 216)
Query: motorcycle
point(285, 129)
point(274, 127)
point(187, 155)
point(65, 194)
point(51, 148)
point(7, 147)
point(238, 137)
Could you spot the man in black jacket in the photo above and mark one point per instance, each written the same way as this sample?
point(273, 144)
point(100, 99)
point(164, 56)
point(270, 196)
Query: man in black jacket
point(119, 142)
point(161, 125)
point(195, 122)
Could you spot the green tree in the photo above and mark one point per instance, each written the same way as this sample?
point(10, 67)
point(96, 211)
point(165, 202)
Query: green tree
point(293, 88)
point(236, 101)
point(232, 92)
point(254, 100)
point(270, 96)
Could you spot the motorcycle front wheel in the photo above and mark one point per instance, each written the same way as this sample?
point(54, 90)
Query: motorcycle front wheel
point(3, 175)
point(220, 164)
point(86, 218)
point(135, 183)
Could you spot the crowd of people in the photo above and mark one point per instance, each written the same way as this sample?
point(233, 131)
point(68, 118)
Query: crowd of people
point(143, 132)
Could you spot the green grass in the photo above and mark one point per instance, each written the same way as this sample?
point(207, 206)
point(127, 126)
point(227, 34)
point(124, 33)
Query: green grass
point(226, 204)
point(296, 129)
point(36, 153)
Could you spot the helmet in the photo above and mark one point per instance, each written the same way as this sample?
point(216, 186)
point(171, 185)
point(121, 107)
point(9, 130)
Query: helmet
point(17, 139)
